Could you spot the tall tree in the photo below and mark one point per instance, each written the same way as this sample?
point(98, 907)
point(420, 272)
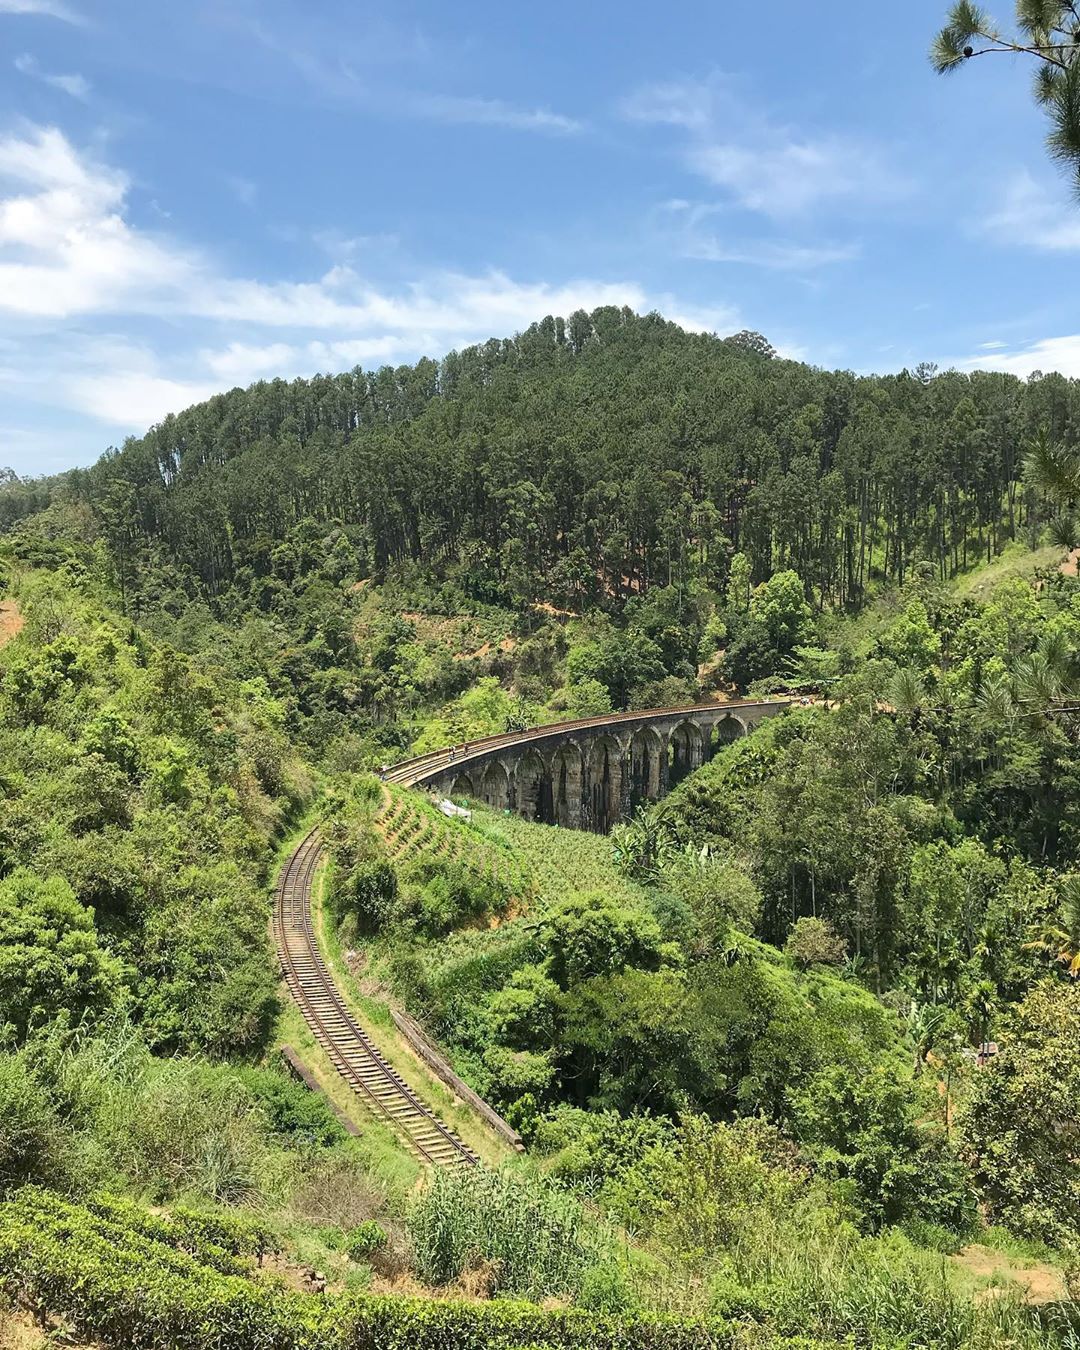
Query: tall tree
point(1047, 31)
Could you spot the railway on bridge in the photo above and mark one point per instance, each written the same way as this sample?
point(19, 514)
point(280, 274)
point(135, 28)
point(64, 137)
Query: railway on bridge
point(584, 774)
point(589, 773)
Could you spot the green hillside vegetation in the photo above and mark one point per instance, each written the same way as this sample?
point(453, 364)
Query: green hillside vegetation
point(740, 1036)
point(580, 513)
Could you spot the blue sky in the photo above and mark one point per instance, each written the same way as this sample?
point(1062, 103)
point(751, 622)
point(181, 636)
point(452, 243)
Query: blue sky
point(199, 194)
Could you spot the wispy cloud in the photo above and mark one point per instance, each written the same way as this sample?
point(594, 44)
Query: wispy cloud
point(68, 252)
point(493, 112)
point(1031, 216)
point(344, 77)
point(764, 165)
point(53, 9)
point(74, 85)
point(243, 189)
point(691, 226)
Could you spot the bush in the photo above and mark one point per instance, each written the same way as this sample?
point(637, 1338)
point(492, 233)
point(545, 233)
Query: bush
point(30, 1134)
point(365, 1240)
point(814, 942)
point(300, 1117)
point(534, 1237)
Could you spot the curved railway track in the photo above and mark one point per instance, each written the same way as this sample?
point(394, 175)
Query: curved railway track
point(350, 1049)
point(414, 771)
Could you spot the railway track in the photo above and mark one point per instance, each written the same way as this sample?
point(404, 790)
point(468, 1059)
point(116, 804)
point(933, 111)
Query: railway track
point(414, 771)
point(351, 1051)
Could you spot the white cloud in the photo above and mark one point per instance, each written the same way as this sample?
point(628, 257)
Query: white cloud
point(74, 85)
point(1061, 354)
point(765, 166)
point(53, 9)
point(689, 225)
point(65, 248)
point(134, 399)
point(494, 112)
point(1030, 216)
point(779, 256)
point(70, 260)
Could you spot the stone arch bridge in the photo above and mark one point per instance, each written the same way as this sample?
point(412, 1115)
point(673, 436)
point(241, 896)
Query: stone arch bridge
point(589, 773)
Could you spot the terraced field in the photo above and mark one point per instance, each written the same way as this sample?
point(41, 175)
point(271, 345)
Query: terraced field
point(561, 861)
point(415, 831)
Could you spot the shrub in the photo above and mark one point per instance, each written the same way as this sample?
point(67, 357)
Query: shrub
point(536, 1237)
point(365, 1240)
point(814, 942)
point(300, 1117)
point(30, 1134)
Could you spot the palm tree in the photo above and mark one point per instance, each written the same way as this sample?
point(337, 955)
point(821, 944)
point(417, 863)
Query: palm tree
point(1060, 938)
point(1053, 470)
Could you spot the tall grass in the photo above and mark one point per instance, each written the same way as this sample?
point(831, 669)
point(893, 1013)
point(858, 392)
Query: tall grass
point(531, 1240)
point(165, 1126)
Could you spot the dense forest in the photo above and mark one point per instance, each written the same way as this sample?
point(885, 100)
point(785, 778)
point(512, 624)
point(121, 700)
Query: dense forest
point(795, 1051)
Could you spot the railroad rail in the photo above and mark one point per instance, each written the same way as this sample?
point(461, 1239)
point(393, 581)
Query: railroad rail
point(351, 1051)
point(410, 772)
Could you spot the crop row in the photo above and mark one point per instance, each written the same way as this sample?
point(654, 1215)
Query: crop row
point(116, 1282)
point(415, 831)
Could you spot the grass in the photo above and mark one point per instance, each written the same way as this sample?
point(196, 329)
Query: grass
point(415, 831)
point(560, 861)
point(1015, 560)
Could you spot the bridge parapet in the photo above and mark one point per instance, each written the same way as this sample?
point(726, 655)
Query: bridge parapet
point(589, 773)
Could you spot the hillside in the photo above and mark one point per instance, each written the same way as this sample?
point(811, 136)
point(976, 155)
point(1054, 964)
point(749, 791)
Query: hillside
point(742, 1037)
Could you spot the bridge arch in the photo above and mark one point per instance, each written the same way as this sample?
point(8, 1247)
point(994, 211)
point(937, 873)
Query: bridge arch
point(495, 786)
point(648, 764)
point(567, 775)
point(686, 751)
point(605, 783)
point(462, 786)
point(534, 795)
point(728, 729)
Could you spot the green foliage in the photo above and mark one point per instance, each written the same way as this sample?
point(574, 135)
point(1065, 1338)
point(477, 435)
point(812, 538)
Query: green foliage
point(618, 661)
point(143, 794)
point(365, 1240)
point(1023, 1116)
point(299, 1117)
point(863, 1128)
point(1046, 34)
point(31, 1139)
point(535, 1240)
point(589, 934)
point(813, 942)
point(92, 1108)
point(127, 1287)
point(777, 622)
point(50, 958)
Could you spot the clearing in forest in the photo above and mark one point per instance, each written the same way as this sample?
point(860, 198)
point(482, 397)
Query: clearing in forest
point(11, 621)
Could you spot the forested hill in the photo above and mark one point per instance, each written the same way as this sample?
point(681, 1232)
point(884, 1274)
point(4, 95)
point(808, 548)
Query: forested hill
point(580, 463)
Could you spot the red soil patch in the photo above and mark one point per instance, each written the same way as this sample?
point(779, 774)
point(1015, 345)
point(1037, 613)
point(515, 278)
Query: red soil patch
point(11, 621)
point(1069, 567)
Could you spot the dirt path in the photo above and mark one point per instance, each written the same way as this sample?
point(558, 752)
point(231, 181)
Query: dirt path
point(1071, 564)
point(11, 621)
point(1043, 1283)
